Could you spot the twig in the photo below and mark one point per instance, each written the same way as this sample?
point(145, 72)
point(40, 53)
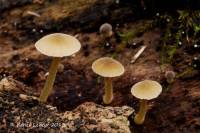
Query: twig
point(136, 56)
point(33, 13)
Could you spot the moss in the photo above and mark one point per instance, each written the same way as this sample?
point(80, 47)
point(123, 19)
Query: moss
point(186, 72)
point(136, 31)
point(178, 29)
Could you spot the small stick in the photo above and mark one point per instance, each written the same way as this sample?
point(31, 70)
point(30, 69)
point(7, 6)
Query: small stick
point(33, 13)
point(77, 35)
point(138, 54)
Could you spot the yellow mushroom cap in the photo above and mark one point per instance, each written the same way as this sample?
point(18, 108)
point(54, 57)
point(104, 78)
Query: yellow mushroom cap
point(146, 89)
point(58, 45)
point(107, 67)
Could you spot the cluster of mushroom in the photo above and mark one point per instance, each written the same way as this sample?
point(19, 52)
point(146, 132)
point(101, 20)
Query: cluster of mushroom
point(58, 45)
point(144, 90)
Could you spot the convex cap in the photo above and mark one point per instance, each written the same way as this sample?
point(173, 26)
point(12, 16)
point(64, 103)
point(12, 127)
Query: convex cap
point(146, 89)
point(107, 67)
point(58, 45)
point(106, 29)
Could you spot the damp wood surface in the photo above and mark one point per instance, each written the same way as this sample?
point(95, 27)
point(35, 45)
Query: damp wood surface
point(176, 110)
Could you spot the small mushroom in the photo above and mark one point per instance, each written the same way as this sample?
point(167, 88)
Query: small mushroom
point(170, 76)
point(55, 45)
point(61, 68)
point(145, 90)
point(106, 30)
point(108, 68)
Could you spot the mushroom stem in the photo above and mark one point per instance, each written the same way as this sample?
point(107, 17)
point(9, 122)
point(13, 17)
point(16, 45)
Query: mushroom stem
point(50, 79)
point(140, 117)
point(108, 96)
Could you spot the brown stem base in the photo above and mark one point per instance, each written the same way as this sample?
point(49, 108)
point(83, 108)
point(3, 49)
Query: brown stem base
point(140, 117)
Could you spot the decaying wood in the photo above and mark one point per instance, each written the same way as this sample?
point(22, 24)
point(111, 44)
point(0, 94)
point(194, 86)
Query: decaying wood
point(23, 113)
point(6, 4)
point(62, 15)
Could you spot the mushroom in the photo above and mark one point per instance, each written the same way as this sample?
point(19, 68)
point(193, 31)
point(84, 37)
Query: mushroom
point(106, 30)
point(108, 68)
point(61, 68)
point(55, 45)
point(170, 76)
point(145, 90)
